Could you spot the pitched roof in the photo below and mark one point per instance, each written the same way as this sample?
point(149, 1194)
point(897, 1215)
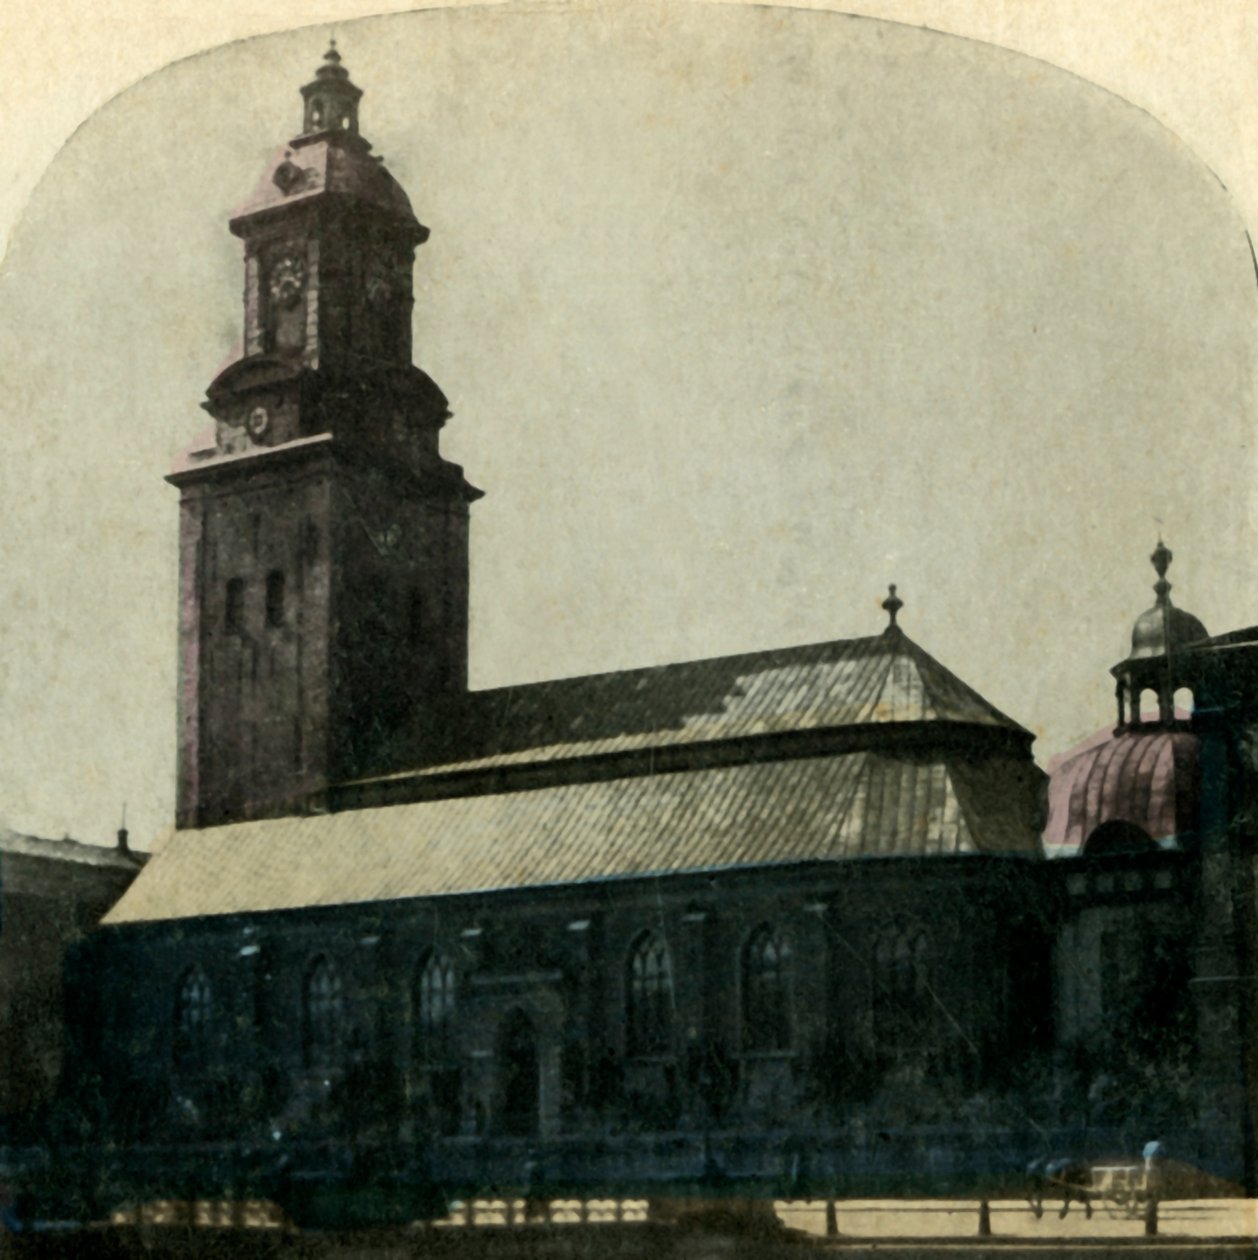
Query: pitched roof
point(860, 804)
point(873, 681)
point(71, 851)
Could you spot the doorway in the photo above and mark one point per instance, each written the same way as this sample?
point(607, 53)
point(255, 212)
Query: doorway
point(518, 1078)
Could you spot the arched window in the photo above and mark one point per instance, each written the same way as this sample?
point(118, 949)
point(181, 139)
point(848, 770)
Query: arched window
point(234, 606)
point(766, 991)
point(323, 1011)
point(275, 598)
point(194, 1017)
point(650, 988)
point(434, 1005)
point(902, 995)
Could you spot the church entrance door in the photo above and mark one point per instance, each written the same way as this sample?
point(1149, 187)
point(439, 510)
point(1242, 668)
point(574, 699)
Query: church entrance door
point(518, 1075)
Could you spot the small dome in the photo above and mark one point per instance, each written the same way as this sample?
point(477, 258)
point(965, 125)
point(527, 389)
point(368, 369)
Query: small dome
point(1148, 635)
point(1148, 781)
point(1164, 626)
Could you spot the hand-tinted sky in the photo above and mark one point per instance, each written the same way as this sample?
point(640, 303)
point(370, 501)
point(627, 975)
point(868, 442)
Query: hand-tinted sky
point(742, 313)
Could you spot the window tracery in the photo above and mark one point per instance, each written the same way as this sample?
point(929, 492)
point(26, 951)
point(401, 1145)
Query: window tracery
point(650, 993)
point(324, 1010)
point(766, 991)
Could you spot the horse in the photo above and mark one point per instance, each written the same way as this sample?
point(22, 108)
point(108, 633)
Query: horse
point(1073, 1177)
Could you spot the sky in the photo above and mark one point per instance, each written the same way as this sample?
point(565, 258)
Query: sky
point(743, 313)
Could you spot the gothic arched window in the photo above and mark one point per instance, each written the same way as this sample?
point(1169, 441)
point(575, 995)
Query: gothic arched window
point(434, 1005)
point(275, 607)
point(766, 991)
point(194, 1017)
point(902, 994)
point(650, 991)
point(323, 1010)
point(234, 606)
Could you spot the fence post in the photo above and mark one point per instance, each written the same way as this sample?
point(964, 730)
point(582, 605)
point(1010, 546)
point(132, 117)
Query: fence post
point(984, 1219)
point(1151, 1216)
point(832, 1219)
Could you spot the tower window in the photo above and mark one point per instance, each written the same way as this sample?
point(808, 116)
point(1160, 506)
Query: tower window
point(415, 618)
point(275, 598)
point(650, 997)
point(234, 608)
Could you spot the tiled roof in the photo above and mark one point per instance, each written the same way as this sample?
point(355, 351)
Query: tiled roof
point(855, 805)
point(845, 683)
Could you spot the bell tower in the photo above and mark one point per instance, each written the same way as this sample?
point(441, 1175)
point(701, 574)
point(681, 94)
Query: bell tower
point(323, 538)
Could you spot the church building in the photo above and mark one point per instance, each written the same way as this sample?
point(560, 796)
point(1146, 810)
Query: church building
point(781, 919)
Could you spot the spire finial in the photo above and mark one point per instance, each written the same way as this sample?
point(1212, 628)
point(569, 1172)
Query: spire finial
point(332, 55)
point(1161, 560)
point(892, 605)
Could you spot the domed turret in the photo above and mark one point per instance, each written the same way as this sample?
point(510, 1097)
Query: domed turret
point(1159, 636)
point(1137, 787)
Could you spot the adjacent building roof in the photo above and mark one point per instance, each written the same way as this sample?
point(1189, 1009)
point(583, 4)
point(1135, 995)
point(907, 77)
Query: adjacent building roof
point(70, 851)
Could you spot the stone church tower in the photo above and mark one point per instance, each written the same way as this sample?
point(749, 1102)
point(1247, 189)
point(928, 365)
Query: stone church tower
point(323, 538)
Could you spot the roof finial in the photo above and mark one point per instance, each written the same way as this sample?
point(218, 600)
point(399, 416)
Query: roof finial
point(892, 605)
point(332, 55)
point(1161, 560)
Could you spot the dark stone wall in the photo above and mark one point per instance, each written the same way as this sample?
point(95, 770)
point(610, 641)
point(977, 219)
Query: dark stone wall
point(253, 684)
point(539, 1048)
point(45, 907)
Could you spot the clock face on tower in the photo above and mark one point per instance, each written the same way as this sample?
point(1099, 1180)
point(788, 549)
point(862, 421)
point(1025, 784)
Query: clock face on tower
point(257, 422)
point(288, 278)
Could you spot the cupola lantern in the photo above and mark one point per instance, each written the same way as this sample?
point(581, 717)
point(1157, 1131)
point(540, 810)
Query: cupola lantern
point(1154, 666)
point(331, 99)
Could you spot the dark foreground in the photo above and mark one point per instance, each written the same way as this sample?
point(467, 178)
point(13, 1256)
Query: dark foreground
point(636, 1241)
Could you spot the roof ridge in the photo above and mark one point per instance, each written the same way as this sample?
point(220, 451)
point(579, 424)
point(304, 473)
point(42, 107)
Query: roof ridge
point(672, 665)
